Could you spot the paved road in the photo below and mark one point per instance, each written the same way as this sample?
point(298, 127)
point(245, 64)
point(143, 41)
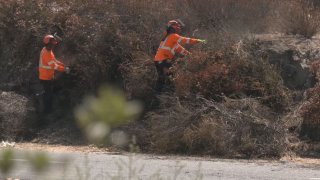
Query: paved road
point(116, 166)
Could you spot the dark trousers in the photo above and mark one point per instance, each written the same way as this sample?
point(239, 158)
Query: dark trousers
point(48, 95)
point(163, 75)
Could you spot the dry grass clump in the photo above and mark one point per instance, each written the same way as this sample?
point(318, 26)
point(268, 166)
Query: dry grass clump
point(235, 75)
point(309, 110)
point(232, 128)
point(16, 116)
point(299, 17)
point(310, 113)
point(139, 76)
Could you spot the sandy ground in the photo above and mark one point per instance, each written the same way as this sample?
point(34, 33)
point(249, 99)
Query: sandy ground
point(89, 162)
point(60, 148)
point(304, 161)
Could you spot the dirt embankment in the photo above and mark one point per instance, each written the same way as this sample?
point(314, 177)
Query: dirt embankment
point(256, 97)
point(281, 51)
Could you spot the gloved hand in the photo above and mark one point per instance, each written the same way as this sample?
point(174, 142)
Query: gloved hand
point(202, 41)
point(67, 70)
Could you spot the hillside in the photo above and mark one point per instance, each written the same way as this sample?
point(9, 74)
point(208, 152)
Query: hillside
point(251, 91)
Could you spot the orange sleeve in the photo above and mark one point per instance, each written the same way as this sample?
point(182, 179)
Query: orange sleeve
point(59, 68)
point(55, 64)
point(185, 40)
point(179, 49)
point(59, 62)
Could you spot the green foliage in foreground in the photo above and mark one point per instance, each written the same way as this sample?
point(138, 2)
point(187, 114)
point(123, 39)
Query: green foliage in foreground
point(110, 109)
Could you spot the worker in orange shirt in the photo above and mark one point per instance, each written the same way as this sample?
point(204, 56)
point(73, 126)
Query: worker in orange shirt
point(170, 46)
point(48, 64)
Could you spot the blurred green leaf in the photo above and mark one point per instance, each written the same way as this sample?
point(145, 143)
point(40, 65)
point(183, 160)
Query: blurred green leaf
point(97, 115)
point(39, 161)
point(6, 161)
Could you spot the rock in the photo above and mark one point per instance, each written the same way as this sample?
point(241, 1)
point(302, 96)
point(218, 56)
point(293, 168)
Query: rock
point(310, 131)
point(5, 144)
point(292, 72)
point(291, 56)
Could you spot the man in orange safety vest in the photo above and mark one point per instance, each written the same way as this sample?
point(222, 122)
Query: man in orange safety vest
point(170, 46)
point(47, 65)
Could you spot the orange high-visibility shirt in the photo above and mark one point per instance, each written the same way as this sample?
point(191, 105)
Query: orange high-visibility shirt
point(172, 45)
point(48, 64)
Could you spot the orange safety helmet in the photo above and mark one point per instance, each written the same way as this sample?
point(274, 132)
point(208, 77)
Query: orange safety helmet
point(47, 39)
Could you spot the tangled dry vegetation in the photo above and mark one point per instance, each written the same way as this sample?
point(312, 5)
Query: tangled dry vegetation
point(232, 128)
point(233, 74)
point(16, 116)
point(227, 101)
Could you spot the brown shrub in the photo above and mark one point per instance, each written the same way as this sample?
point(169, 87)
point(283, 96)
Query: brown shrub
point(231, 128)
point(139, 76)
point(310, 113)
point(103, 34)
point(17, 115)
point(310, 108)
point(227, 72)
point(20, 32)
point(114, 41)
point(99, 36)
